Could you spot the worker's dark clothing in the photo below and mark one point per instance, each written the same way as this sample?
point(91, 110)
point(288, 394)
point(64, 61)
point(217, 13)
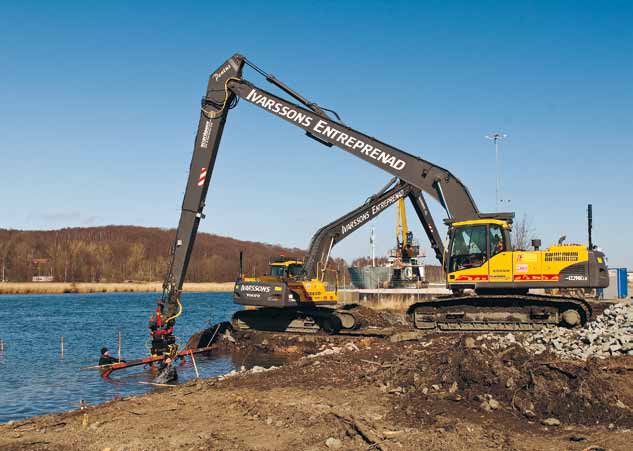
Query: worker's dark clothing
point(166, 374)
point(107, 360)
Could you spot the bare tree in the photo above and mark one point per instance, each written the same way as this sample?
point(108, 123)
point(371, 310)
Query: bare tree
point(522, 234)
point(5, 249)
point(116, 253)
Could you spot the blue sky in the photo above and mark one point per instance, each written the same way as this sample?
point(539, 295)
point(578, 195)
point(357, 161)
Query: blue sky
point(99, 103)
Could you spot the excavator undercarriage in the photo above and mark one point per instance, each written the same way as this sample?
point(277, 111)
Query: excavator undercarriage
point(499, 312)
point(473, 313)
point(297, 320)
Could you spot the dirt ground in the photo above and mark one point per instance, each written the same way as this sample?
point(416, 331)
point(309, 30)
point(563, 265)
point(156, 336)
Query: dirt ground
point(405, 392)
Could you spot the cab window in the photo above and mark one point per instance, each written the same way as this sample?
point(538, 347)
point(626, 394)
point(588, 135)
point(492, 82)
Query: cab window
point(469, 248)
point(277, 271)
point(295, 269)
point(497, 241)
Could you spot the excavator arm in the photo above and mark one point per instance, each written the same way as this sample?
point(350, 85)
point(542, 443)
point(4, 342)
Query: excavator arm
point(207, 142)
point(428, 224)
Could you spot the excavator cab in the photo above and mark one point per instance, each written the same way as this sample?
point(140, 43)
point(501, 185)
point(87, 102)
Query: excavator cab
point(473, 243)
point(480, 257)
point(285, 269)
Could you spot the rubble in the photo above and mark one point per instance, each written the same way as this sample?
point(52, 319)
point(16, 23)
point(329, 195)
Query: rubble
point(350, 347)
point(406, 336)
point(243, 370)
point(611, 334)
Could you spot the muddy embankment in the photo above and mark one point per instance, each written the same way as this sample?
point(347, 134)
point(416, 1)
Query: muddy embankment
point(402, 391)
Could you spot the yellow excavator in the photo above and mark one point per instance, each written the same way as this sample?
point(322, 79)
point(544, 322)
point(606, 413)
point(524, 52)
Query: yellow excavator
point(291, 271)
point(299, 285)
point(286, 283)
point(490, 281)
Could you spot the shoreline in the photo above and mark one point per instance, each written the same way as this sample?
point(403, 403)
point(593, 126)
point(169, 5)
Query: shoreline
point(98, 287)
point(338, 392)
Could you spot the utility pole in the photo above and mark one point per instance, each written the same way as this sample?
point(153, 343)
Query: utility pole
point(496, 137)
point(373, 247)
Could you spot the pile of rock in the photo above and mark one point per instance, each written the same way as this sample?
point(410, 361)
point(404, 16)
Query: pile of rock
point(609, 335)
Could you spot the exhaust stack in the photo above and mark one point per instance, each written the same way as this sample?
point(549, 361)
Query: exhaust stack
point(590, 224)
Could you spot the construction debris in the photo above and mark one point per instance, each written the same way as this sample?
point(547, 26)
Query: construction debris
point(611, 334)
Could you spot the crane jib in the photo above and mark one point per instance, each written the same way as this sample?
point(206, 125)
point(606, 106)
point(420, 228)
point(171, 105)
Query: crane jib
point(326, 130)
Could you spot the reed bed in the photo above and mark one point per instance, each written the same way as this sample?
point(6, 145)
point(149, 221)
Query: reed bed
point(131, 287)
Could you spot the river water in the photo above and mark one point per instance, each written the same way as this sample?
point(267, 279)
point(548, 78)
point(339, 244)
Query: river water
point(35, 380)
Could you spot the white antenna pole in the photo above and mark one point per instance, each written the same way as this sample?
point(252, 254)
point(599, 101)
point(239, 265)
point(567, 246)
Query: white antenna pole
point(496, 137)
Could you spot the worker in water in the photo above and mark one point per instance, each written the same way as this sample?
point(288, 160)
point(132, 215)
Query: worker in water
point(106, 359)
point(166, 372)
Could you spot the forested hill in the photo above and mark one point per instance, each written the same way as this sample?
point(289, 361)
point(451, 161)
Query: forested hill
point(120, 253)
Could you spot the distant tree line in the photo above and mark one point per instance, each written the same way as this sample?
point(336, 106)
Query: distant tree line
point(131, 253)
point(126, 253)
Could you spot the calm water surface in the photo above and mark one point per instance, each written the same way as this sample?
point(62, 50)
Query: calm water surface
point(34, 380)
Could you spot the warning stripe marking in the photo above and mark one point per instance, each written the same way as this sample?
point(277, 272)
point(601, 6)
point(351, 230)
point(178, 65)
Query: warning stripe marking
point(202, 177)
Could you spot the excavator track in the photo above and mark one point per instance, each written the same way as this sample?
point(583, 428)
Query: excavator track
point(304, 320)
point(498, 313)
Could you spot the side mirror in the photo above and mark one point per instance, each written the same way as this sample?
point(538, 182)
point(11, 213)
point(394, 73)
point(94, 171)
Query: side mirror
point(536, 244)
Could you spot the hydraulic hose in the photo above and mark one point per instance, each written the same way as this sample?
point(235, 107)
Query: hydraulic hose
point(177, 314)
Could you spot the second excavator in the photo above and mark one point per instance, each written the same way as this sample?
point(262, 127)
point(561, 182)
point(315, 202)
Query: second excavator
point(294, 297)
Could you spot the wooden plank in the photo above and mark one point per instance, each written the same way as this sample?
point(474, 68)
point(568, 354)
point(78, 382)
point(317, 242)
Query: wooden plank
point(158, 385)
